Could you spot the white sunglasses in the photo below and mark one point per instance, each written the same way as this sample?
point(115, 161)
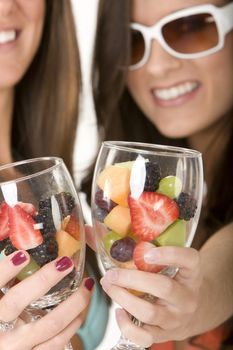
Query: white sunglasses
point(189, 33)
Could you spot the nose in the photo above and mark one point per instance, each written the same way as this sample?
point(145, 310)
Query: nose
point(6, 7)
point(160, 62)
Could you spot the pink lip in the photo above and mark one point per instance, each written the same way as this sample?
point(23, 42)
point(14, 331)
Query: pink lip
point(178, 101)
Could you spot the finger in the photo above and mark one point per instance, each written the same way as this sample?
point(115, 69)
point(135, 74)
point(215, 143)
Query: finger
point(187, 259)
point(11, 265)
point(136, 334)
point(62, 339)
point(90, 237)
point(33, 287)
point(57, 320)
point(145, 311)
point(158, 285)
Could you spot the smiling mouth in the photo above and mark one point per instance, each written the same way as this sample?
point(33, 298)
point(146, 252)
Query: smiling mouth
point(175, 91)
point(7, 36)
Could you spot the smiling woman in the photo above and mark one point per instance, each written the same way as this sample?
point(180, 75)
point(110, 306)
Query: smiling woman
point(39, 97)
point(163, 73)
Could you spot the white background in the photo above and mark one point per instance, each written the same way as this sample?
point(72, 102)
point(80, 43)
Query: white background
point(86, 141)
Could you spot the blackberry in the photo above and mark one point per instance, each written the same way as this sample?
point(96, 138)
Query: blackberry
point(100, 214)
point(45, 216)
point(66, 203)
point(103, 202)
point(122, 249)
point(187, 206)
point(45, 252)
point(9, 248)
point(153, 176)
point(3, 244)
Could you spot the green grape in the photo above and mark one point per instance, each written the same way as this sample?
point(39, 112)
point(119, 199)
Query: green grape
point(109, 239)
point(170, 186)
point(174, 235)
point(28, 270)
point(128, 164)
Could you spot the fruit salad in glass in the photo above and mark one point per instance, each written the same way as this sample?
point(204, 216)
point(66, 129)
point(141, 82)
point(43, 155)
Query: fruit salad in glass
point(40, 213)
point(144, 196)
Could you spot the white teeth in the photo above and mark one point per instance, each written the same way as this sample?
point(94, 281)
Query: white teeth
point(174, 92)
point(7, 36)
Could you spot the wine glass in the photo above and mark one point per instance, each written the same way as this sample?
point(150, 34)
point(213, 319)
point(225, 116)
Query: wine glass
point(143, 196)
point(41, 212)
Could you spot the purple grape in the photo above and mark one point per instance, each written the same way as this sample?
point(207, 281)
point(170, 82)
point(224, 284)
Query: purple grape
point(122, 249)
point(103, 202)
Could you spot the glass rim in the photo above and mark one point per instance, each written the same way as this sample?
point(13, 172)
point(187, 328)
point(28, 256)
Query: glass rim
point(57, 161)
point(152, 148)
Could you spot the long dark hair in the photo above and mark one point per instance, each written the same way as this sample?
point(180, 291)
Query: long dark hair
point(120, 118)
point(46, 104)
point(46, 99)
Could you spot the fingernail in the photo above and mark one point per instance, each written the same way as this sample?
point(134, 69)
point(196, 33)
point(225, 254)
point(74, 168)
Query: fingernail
point(19, 258)
point(152, 256)
point(89, 283)
point(112, 275)
point(105, 284)
point(63, 264)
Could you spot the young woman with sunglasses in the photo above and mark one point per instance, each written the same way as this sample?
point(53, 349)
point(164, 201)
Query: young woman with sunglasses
point(39, 92)
point(164, 74)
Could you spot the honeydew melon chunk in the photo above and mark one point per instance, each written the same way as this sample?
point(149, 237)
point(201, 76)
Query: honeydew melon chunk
point(114, 181)
point(174, 235)
point(119, 220)
point(28, 270)
point(170, 186)
point(127, 164)
point(109, 239)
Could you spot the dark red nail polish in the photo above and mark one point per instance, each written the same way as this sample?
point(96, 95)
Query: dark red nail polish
point(63, 264)
point(18, 258)
point(89, 283)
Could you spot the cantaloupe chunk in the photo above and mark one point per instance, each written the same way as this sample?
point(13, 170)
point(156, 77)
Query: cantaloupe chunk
point(119, 220)
point(67, 245)
point(114, 181)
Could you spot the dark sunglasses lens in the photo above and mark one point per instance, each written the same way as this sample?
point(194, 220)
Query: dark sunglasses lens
point(191, 34)
point(137, 46)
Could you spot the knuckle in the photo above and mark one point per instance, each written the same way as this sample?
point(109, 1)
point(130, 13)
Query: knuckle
point(54, 325)
point(167, 286)
point(151, 316)
point(11, 303)
point(43, 276)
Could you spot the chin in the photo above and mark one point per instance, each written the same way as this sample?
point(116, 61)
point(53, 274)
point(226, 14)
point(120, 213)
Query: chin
point(174, 133)
point(9, 80)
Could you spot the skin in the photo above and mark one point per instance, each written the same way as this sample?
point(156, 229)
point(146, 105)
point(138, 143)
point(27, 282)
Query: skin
point(54, 330)
point(27, 18)
point(186, 305)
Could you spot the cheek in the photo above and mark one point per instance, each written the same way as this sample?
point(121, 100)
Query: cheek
point(221, 81)
point(33, 9)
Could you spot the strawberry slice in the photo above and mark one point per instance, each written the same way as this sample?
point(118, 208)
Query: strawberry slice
point(22, 233)
point(28, 207)
point(151, 214)
point(72, 227)
point(4, 228)
point(138, 257)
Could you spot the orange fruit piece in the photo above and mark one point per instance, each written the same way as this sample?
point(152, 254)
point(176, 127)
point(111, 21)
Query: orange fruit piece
point(67, 245)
